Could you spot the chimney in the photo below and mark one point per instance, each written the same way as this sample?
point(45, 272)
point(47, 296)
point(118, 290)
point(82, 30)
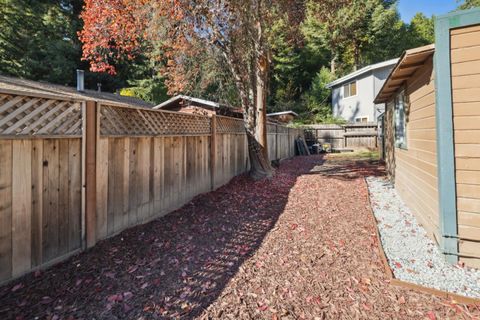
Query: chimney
point(99, 87)
point(80, 80)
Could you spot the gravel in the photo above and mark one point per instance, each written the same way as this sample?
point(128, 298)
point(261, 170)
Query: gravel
point(413, 256)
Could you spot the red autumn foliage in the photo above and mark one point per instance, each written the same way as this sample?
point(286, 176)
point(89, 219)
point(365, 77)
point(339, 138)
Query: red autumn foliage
point(113, 30)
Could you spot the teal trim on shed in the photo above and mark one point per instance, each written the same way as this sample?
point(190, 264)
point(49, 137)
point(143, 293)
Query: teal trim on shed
point(448, 223)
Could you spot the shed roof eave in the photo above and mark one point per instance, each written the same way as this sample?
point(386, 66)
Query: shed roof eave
point(187, 98)
point(410, 61)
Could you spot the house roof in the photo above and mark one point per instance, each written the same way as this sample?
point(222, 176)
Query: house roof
point(410, 61)
point(176, 99)
point(362, 71)
point(282, 113)
point(22, 86)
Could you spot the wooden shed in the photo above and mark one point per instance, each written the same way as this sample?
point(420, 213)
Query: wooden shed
point(282, 117)
point(432, 134)
point(187, 104)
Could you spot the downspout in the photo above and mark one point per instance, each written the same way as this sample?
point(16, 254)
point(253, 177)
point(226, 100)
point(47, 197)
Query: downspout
point(447, 194)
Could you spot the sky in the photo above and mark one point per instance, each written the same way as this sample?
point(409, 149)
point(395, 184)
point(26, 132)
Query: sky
point(408, 8)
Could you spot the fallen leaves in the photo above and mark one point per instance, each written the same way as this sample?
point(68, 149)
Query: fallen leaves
point(298, 246)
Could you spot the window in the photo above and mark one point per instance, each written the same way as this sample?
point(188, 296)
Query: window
point(361, 119)
point(400, 122)
point(350, 89)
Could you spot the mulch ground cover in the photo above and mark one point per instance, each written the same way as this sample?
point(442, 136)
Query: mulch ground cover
point(299, 246)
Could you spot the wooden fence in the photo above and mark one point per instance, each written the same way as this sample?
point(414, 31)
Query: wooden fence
point(75, 172)
point(350, 136)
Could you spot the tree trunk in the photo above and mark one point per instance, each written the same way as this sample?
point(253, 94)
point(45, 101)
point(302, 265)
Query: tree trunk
point(356, 57)
point(258, 147)
point(251, 82)
point(333, 65)
point(259, 164)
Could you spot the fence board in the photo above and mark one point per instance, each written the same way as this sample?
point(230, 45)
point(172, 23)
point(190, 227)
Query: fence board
point(50, 199)
point(102, 187)
point(63, 196)
point(158, 173)
point(133, 182)
point(21, 206)
point(5, 209)
point(37, 202)
point(75, 194)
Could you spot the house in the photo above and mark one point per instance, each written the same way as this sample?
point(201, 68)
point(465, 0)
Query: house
point(22, 86)
point(353, 94)
point(282, 117)
point(432, 134)
point(182, 103)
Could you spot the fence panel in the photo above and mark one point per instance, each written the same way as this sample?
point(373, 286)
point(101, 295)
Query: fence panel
point(40, 181)
point(351, 136)
point(141, 164)
point(231, 150)
point(145, 167)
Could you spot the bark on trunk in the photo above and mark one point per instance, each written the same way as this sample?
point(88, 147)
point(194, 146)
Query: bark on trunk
point(258, 147)
point(259, 164)
point(333, 66)
point(251, 81)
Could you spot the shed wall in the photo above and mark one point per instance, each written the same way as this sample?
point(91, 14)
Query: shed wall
point(465, 68)
point(414, 169)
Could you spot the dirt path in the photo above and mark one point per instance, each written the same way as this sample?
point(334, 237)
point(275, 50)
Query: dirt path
point(299, 246)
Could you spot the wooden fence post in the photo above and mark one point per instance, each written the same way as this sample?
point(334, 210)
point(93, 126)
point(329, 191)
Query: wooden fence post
point(90, 172)
point(213, 150)
point(276, 142)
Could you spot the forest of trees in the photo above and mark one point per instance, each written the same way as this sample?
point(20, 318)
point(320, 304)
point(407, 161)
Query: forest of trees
point(312, 42)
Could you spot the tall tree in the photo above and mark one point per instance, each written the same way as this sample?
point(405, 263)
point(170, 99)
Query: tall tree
point(238, 30)
point(38, 39)
point(349, 27)
point(421, 30)
point(468, 4)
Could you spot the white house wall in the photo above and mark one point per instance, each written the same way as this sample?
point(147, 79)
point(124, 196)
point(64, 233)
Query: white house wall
point(360, 105)
point(356, 106)
point(380, 76)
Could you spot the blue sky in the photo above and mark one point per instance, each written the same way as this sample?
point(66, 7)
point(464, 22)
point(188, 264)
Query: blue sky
point(408, 8)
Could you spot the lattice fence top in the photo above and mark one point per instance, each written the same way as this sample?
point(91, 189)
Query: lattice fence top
point(282, 129)
point(230, 125)
point(32, 116)
point(118, 121)
point(271, 128)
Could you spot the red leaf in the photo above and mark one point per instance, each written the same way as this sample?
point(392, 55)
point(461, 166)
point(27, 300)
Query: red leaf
point(431, 315)
point(263, 307)
point(17, 287)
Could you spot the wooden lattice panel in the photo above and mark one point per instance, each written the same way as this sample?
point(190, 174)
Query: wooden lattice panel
point(118, 121)
point(230, 125)
point(282, 129)
point(271, 128)
point(33, 116)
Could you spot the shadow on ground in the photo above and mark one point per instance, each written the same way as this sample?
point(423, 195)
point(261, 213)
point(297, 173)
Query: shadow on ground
point(345, 168)
point(175, 266)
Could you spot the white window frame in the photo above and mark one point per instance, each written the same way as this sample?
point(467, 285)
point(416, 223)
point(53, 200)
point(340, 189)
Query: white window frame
point(349, 86)
point(361, 118)
point(400, 121)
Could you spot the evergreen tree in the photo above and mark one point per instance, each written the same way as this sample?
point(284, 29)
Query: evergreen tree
point(469, 4)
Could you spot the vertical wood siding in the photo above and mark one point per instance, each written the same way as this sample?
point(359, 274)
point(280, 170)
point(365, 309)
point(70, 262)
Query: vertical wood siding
point(414, 169)
point(40, 202)
point(465, 59)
